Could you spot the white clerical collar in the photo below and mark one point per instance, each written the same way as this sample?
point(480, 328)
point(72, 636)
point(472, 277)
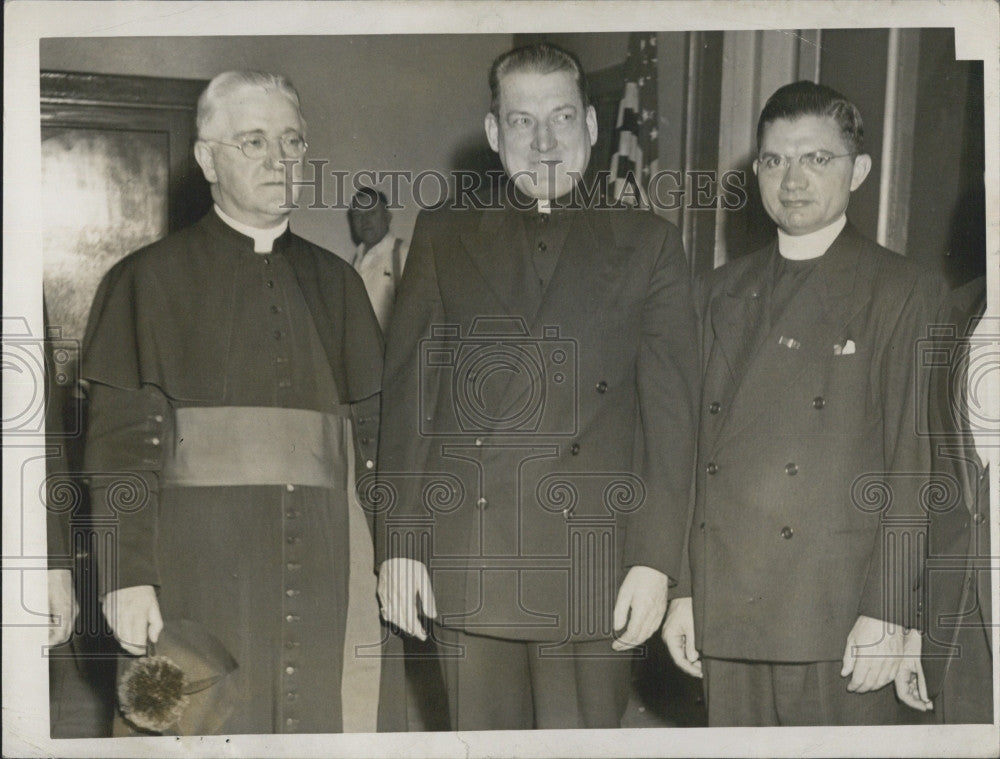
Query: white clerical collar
point(263, 239)
point(812, 245)
point(544, 205)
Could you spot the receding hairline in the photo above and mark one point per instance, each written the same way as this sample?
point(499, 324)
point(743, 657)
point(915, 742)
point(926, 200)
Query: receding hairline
point(229, 84)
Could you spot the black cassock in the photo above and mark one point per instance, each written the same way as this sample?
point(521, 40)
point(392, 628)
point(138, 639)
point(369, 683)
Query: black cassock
point(228, 382)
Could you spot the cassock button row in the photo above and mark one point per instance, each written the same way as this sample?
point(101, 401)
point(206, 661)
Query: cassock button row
point(289, 670)
point(791, 469)
point(787, 532)
point(602, 386)
point(711, 467)
point(714, 407)
point(819, 402)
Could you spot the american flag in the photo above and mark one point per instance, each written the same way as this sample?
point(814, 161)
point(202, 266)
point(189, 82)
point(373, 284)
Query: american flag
point(637, 121)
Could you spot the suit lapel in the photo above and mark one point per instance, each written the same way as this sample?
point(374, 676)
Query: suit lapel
point(802, 338)
point(738, 316)
point(496, 249)
point(589, 264)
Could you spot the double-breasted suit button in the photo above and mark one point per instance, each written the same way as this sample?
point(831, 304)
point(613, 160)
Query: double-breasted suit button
point(482, 503)
point(711, 467)
point(602, 386)
point(714, 407)
point(787, 532)
point(819, 402)
point(158, 418)
point(791, 468)
point(574, 449)
point(289, 670)
point(154, 440)
point(369, 464)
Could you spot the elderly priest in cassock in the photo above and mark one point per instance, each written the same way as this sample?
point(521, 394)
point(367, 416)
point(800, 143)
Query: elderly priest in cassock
point(234, 382)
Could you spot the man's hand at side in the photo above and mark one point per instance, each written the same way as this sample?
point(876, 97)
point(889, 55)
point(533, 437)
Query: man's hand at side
point(911, 687)
point(642, 599)
point(134, 616)
point(400, 583)
point(63, 606)
point(872, 655)
point(678, 634)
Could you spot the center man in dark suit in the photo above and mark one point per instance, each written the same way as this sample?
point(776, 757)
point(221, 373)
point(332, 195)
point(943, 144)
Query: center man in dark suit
point(537, 424)
point(808, 518)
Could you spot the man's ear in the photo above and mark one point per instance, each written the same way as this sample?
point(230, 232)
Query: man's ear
point(203, 155)
point(492, 131)
point(591, 119)
point(862, 165)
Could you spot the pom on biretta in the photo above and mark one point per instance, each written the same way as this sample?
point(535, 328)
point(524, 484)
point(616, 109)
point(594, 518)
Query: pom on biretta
point(182, 686)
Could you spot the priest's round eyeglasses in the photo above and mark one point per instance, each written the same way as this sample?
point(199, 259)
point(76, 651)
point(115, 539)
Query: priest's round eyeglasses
point(255, 146)
point(818, 160)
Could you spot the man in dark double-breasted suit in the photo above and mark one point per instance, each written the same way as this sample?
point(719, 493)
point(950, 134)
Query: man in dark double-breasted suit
point(808, 518)
point(537, 424)
point(957, 651)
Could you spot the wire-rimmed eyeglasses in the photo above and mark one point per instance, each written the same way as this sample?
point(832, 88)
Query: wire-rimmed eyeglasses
point(817, 160)
point(255, 146)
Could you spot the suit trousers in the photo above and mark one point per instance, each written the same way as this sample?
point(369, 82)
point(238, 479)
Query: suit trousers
point(498, 684)
point(773, 694)
point(967, 695)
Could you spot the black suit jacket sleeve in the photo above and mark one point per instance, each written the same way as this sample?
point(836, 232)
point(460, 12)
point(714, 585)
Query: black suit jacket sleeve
point(402, 452)
point(667, 386)
point(892, 588)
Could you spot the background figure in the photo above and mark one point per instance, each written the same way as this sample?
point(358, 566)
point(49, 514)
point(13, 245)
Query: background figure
point(958, 647)
point(808, 449)
point(234, 371)
point(537, 424)
point(380, 256)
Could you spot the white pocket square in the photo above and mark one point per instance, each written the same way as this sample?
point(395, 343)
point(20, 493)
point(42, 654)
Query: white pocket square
point(847, 349)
